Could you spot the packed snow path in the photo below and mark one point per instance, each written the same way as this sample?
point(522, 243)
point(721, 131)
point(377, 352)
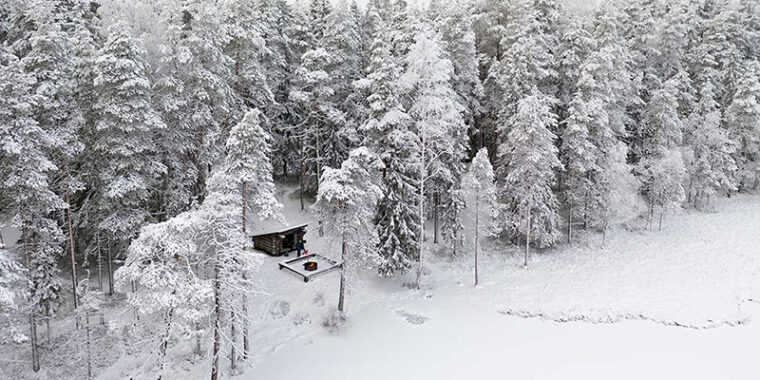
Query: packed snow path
point(699, 272)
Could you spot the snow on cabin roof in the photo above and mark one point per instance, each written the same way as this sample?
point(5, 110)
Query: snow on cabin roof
point(269, 230)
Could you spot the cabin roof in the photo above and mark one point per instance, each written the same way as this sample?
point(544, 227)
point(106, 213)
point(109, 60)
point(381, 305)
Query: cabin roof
point(277, 229)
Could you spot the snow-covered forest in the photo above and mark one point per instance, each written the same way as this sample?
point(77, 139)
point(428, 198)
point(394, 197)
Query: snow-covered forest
point(142, 142)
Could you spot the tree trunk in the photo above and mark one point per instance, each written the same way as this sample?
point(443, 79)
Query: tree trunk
point(164, 345)
point(570, 224)
point(198, 333)
point(421, 199)
point(246, 342)
point(217, 325)
point(87, 343)
point(606, 223)
point(301, 179)
point(66, 195)
point(662, 212)
point(233, 341)
point(342, 291)
point(245, 203)
point(32, 316)
point(527, 239)
point(435, 217)
point(245, 297)
point(100, 265)
point(477, 227)
point(134, 309)
point(319, 161)
point(110, 269)
point(33, 340)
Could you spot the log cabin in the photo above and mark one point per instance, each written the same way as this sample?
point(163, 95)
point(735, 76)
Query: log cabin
point(280, 241)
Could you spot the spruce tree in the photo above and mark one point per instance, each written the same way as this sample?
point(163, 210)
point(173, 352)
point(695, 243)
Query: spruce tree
point(387, 133)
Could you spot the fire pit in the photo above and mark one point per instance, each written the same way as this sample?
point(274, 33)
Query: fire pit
point(310, 266)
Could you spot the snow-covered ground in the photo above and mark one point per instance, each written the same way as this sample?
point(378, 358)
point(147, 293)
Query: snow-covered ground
point(681, 300)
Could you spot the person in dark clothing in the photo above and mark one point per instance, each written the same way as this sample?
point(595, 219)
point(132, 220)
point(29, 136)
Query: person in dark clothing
point(299, 247)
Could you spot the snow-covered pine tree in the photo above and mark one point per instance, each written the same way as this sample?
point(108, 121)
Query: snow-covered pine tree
point(528, 61)
point(49, 60)
point(709, 157)
point(193, 91)
point(322, 91)
point(125, 136)
point(387, 134)
point(280, 60)
point(615, 195)
point(743, 124)
point(455, 27)
point(437, 120)
point(578, 153)
point(401, 31)
point(575, 112)
point(576, 44)
point(343, 41)
point(245, 47)
point(661, 165)
point(640, 34)
point(27, 193)
point(248, 165)
point(529, 211)
point(346, 202)
point(491, 18)
point(479, 183)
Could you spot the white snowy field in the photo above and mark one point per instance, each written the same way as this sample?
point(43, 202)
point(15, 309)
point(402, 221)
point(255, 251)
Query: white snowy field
point(680, 300)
